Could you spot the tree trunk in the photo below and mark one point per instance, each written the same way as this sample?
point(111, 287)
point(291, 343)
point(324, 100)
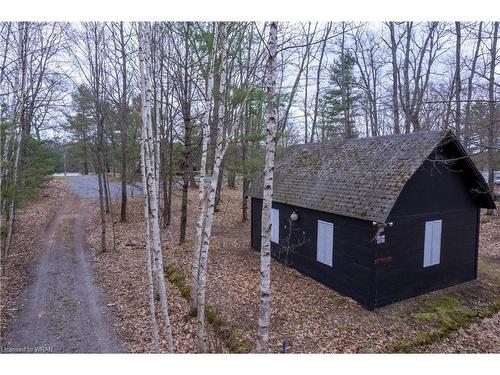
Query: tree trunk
point(220, 150)
point(395, 73)
point(406, 78)
point(188, 165)
point(124, 128)
point(152, 174)
point(220, 176)
point(246, 182)
point(85, 155)
point(170, 171)
point(306, 117)
point(111, 212)
point(201, 187)
point(318, 82)
point(467, 122)
point(458, 83)
point(492, 132)
point(105, 171)
point(100, 185)
point(231, 179)
point(265, 251)
point(20, 101)
point(12, 205)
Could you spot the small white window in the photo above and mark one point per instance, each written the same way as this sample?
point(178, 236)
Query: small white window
point(432, 242)
point(275, 225)
point(325, 243)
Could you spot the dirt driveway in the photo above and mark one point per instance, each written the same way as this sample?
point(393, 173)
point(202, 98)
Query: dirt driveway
point(62, 309)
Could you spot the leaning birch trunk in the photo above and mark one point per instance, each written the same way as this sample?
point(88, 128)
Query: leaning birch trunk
point(15, 168)
point(265, 250)
point(3, 175)
point(151, 174)
point(201, 215)
point(201, 187)
point(147, 241)
point(207, 231)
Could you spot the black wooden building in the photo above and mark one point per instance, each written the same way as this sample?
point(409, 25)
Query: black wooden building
point(378, 219)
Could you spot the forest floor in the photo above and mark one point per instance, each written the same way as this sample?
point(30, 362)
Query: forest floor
point(51, 286)
point(307, 317)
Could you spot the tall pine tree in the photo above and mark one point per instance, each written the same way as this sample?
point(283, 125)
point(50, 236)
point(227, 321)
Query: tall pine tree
point(338, 104)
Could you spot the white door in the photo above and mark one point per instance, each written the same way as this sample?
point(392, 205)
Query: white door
point(325, 243)
point(275, 225)
point(432, 242)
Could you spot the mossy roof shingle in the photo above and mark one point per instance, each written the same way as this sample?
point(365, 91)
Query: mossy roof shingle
point(360, 178)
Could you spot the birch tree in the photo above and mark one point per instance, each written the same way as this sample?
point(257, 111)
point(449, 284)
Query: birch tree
point(203, 166)
point(265, 251)
point(150, 169)
point(31, 82)
point(220, 150)
point(17, 115)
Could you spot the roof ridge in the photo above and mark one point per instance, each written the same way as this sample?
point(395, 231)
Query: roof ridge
point(443, 132)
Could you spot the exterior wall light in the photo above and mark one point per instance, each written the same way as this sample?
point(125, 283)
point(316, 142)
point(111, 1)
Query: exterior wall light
point(294, 216)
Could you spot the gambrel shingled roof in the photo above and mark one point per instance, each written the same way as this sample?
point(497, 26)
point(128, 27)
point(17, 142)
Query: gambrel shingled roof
point(360, 178)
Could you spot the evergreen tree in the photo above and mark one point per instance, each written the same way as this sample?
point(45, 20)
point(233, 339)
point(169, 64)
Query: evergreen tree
point(338, 104)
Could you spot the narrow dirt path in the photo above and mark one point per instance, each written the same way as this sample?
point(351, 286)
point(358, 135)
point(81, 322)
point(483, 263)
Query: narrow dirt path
point(63, 310)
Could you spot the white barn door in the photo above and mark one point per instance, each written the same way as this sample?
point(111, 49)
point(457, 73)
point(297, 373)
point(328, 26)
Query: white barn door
point(275, 225)
point(325, 243)
point(432, 242)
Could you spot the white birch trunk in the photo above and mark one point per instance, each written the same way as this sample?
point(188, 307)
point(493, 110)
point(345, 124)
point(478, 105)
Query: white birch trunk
point(265, 250)
point(147, 241)
point(207, 231)
point(148, 141)
point(15, 168)
point(19, 134)
point(4, 170)
point(201, 188)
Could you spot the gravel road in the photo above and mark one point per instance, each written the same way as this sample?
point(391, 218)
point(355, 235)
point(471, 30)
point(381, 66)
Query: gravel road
point(63, 309)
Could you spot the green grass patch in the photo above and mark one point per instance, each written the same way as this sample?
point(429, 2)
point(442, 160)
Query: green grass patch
point(227, 333)
point(444, 315)
point(176, 277)
point(230, 334)
point(213, 317)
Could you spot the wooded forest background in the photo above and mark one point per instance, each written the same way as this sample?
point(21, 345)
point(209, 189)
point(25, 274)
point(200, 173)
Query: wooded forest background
point(175, 101)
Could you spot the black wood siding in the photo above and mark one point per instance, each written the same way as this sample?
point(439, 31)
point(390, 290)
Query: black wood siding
point(379, 274)
point(436, 191)
point(352, 273)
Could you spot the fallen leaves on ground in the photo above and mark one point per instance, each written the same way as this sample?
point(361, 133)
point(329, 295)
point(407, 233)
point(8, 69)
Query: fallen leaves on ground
point(307, 317)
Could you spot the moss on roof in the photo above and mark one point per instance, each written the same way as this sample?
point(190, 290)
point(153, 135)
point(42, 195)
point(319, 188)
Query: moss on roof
point(360, 178)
